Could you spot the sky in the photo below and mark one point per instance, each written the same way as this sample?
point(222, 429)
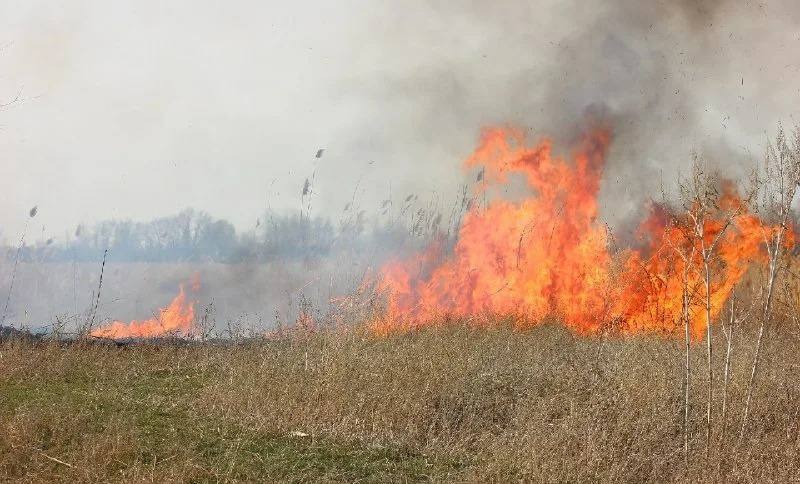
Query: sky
point(140, 109)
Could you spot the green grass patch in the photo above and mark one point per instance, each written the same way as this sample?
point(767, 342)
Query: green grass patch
point(143, 422)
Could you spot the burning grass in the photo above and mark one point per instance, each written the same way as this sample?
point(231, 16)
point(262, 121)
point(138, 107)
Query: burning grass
point(416, 380)
point(603, 370)
point(177, 318)
point(441, 403)
point(549, 255)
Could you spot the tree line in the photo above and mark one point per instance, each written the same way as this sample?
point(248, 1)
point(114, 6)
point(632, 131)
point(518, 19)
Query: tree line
point(195, 236)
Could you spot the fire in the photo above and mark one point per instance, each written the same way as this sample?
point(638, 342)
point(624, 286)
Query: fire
point(652, 297)
point(176, 318)
point(548, 255)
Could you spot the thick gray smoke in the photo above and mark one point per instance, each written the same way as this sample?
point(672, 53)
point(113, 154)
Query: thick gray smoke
point(671, 77)
point(141, 112)
point(133, 110)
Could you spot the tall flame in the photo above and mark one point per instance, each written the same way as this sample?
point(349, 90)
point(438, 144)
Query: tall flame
point(548, 255)
point(176, 318)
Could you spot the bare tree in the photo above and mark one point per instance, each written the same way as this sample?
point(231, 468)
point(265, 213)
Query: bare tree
point(708, 220)
point(685, 250)
point(686, 317)
point(698, 227)
point(779, 186)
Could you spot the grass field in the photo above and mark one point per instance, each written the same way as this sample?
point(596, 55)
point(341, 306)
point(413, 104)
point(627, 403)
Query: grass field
point(441, 404)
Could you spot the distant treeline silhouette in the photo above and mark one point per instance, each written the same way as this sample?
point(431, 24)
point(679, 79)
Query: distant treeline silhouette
point(196, 236)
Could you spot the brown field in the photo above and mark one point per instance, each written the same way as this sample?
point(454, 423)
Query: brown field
point(440, 404)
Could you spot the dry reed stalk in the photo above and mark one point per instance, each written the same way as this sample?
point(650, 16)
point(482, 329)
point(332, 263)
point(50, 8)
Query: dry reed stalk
point(32, 213)
point(99, 288)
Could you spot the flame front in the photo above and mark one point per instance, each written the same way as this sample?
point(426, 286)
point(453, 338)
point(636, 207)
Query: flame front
point(176, 318)
point(651, 297)
point(548, 255)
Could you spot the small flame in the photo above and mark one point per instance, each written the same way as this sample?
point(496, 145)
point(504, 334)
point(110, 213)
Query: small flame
point(176, 318)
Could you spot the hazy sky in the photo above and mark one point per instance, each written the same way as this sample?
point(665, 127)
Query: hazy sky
point(139, 109)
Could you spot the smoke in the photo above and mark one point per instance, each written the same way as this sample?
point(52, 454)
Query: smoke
point(256, 278)
point(217, 104)
point(672, 78)
point(232, 104)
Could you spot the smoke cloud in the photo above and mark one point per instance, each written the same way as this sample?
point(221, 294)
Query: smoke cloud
point(127, 111)
point(136, 111)
point(671, 78)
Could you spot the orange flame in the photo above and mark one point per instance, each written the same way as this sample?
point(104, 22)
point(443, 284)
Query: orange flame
point(652, 296)
point(176, 318)
point(548, 255)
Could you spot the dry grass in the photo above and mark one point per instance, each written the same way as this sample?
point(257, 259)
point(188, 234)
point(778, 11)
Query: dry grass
point(443, 404)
